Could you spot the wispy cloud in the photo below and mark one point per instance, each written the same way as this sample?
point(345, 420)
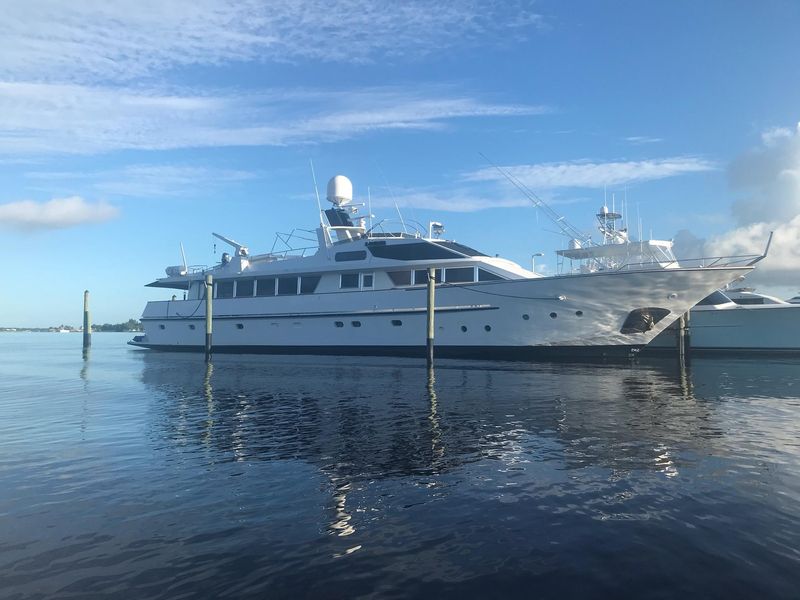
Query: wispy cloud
point(450, 200)
point(59, 213)
point(61, 118)
point(639, 140)
point(589, 174)
point(95, 40)
point(143, 180)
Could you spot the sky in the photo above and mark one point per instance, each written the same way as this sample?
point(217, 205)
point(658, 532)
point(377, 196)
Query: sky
point(130, 127)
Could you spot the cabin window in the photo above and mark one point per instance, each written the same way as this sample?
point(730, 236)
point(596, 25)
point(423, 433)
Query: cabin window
point(366, 280)
point(526, 316)
point(400, 277)
point(484, 275)
point(553, 315)
point(397, 322)
point(464, 328)
point(339, 323)
point(460, 275)
point(349, 280)
point(265, 287)
point(578, 313)
point(355, 255)
point(308, 283)
point(356, 323)
point(287, 286)
point(191, 327)
point(421, 276)
point(162, 327)
point(487, 327)
point(240, 326)
point(244, 288)
point(225, 289)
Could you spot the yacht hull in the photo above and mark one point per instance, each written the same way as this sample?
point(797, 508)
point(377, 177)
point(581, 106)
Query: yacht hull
point(576, 316)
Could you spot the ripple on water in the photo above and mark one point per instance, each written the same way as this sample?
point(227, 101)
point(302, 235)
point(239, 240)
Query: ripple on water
point(156, 476)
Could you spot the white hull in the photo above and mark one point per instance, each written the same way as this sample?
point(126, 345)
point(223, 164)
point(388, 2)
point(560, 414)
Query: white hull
point(589, 313)
point(765, 328)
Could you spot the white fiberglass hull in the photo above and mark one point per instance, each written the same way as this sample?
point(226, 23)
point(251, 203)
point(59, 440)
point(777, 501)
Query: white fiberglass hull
point(757, 328)
point(581, 313)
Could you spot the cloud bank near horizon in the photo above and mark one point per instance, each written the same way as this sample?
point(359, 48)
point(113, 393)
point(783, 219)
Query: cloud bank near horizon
point(767, 178)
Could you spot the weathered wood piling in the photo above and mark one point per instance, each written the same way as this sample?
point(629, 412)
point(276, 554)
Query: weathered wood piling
point(431, 309)
point(209, 316)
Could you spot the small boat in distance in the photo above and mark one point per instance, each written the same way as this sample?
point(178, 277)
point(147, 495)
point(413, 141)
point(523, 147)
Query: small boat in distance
point(362, 290)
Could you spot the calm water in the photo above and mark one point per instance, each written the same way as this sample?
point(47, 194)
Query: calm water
point(142, 475)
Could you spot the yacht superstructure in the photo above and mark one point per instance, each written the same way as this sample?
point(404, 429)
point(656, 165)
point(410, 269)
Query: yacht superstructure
point(362, 291)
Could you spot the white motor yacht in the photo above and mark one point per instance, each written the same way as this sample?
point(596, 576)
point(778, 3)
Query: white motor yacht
point(362, 290)
point(740, 320)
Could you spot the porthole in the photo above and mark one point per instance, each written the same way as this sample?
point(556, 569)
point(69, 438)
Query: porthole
point(356, 323)
point(553, 315)
point(578, 313)
point(339, 323)
point(487, 327)
point(239, 326)
point(526, 317)
point(463, 328)
point(397, 322)
point(162, 326)
point(191, 327)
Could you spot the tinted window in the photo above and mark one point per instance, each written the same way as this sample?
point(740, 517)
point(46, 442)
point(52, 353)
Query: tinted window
point(421, 276)
point(244, 287)
point(484, 275)
point(461, 248)
point(397, 322)
point(410, 251)
point(459, 275)
point(749, 300)
point(355, 255)
point(287, 286)
point(366, 280)
point(308, 283)
point(400, 277)
point(265, 287)
point(225, 289)
point(349, 280)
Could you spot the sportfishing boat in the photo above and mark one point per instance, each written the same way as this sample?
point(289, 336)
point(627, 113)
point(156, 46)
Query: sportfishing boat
point(362, 290)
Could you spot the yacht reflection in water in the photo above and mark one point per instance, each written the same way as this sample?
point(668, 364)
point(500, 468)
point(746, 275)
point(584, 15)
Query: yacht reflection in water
point(361, 420)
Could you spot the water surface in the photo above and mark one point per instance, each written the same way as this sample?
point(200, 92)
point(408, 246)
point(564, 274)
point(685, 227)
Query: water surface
point(152, 475)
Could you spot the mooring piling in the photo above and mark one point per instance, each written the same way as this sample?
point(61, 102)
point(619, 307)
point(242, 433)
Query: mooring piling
point(682, 337)
point(209, 318)
point(87, 321)
point(431, 309)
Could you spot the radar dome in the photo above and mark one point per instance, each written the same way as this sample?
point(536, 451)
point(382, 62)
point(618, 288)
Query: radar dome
point(340, 190)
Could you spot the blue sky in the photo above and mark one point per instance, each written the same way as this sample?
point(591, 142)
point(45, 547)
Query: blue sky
point(129, 127)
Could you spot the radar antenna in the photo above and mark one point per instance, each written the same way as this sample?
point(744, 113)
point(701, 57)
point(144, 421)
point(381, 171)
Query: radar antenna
point(241, 250)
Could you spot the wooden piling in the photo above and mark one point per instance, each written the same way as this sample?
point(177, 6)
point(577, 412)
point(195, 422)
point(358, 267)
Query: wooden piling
point(209, 318)
point(87, 321)
point(431, 309)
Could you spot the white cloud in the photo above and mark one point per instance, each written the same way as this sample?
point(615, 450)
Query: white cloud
point(638, 140)
point(93, 40)
point(450, 200)
point(143, 180)
point(588, 174)
point(69, 118)
point(59, 213)
point(768, 176)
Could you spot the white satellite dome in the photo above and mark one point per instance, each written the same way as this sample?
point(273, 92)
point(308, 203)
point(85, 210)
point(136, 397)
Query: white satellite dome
point(340, 190)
